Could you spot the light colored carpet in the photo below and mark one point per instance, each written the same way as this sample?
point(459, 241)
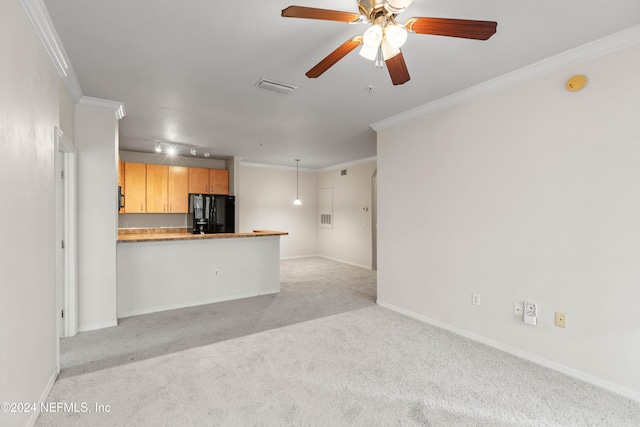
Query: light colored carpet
point(311, 288)
point(368, 366)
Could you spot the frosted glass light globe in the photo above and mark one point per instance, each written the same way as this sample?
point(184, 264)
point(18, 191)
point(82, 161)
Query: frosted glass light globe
point(395, 35)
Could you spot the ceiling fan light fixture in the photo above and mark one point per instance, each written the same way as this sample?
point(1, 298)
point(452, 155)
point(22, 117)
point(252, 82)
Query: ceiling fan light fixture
point(373, 36)
point(396, 35)
point(389, 51)
point(368, 52)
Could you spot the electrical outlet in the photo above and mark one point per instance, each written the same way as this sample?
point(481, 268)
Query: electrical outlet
point(561, 320)
point(518, 308)
point(126, 224)
point(216, 273)
point(475, 299)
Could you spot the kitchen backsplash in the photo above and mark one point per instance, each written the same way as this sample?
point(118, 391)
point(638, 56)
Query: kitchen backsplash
point(151, 220)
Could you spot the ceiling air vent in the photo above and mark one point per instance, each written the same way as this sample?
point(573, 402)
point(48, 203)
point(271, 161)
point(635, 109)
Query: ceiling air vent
point(276, 86)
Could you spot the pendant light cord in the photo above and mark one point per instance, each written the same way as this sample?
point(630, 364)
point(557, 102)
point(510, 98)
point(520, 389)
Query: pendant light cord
point(297, 178)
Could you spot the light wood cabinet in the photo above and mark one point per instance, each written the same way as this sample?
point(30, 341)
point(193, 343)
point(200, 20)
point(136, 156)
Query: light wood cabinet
point(157, 186)
point(218, 181)
point(154, 188)
point(208, 181)
point(121, 180)
point(198, 180)
point(178, 194)
point(135, 183)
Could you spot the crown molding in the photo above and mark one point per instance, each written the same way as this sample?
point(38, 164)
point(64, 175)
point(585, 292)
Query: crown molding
point(347, 164)
point(117, 107)
point(39, 16)
point(582, 53)
point(277, 167)
point(326, 169)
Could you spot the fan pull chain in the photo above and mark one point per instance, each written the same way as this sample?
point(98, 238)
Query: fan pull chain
point(379, 60)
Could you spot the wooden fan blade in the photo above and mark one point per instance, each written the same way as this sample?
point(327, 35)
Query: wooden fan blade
point(464, 28)
point(334, 57)
point(398, 69)
point(325, 14)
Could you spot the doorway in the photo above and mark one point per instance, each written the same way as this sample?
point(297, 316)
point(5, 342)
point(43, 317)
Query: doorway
point(374, 220)
point(65, 201)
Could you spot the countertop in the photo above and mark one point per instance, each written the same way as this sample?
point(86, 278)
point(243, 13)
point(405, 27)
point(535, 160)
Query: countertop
point(165, 234)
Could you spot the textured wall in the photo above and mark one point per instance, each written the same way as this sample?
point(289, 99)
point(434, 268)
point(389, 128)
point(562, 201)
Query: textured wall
point(350, 239)
point(266, 202)
point(525, 194)
point(29, 101)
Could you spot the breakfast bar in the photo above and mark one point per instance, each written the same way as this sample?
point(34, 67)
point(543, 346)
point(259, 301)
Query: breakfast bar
point(168, 268)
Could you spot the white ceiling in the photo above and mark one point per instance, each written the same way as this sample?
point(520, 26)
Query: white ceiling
point(186, 70)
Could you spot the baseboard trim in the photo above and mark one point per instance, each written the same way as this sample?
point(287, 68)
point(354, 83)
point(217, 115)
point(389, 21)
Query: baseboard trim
point(43, 398)
point(368, 267)
point(97, 326)
point(299, 257)
point(583, 376)
point(194, 303)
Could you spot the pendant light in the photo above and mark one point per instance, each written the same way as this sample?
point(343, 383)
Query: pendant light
point(297, 200)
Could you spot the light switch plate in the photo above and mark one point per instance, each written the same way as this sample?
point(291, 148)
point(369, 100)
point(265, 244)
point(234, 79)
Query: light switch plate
point(518, 308)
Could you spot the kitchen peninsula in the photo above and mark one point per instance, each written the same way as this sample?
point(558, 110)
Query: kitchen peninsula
point(168, 268)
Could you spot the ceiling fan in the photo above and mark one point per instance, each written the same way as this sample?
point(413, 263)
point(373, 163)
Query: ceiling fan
point(385, 36)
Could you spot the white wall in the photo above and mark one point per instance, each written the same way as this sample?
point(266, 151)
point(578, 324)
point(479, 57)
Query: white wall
point(529, 193)
point(266, 203)
point(97, 147)
point(29, 101)
point(350, 239)
point(164, 275)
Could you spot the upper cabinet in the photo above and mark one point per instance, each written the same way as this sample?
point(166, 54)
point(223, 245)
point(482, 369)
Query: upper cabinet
point(218, 181)
point(208, 181)
point(167, 189)
point(135, 184)
point(178, 194)
point(157, 186)
point(151, 188)
point(121, 183)
point(198, 180)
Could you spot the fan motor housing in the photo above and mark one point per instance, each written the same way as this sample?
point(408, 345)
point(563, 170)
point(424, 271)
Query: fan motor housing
point(371, 8)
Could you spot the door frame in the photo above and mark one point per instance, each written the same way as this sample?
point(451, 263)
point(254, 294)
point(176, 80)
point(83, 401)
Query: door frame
point(66, 148)
point(374, 220)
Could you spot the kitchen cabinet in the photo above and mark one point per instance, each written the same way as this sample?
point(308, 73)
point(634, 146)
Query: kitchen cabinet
point(218, 181)
point(157, 186)
point(167, 189)
point(135, 183)
point(208, 181)
point(198, 180)
point(121, 180)
point(178, 194)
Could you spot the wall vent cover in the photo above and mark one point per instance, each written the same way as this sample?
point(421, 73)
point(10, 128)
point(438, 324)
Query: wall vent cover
point(275, 86)
point(343, 172)
point(325, 208)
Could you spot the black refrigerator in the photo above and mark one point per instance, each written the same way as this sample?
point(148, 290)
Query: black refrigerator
point(211, 213)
